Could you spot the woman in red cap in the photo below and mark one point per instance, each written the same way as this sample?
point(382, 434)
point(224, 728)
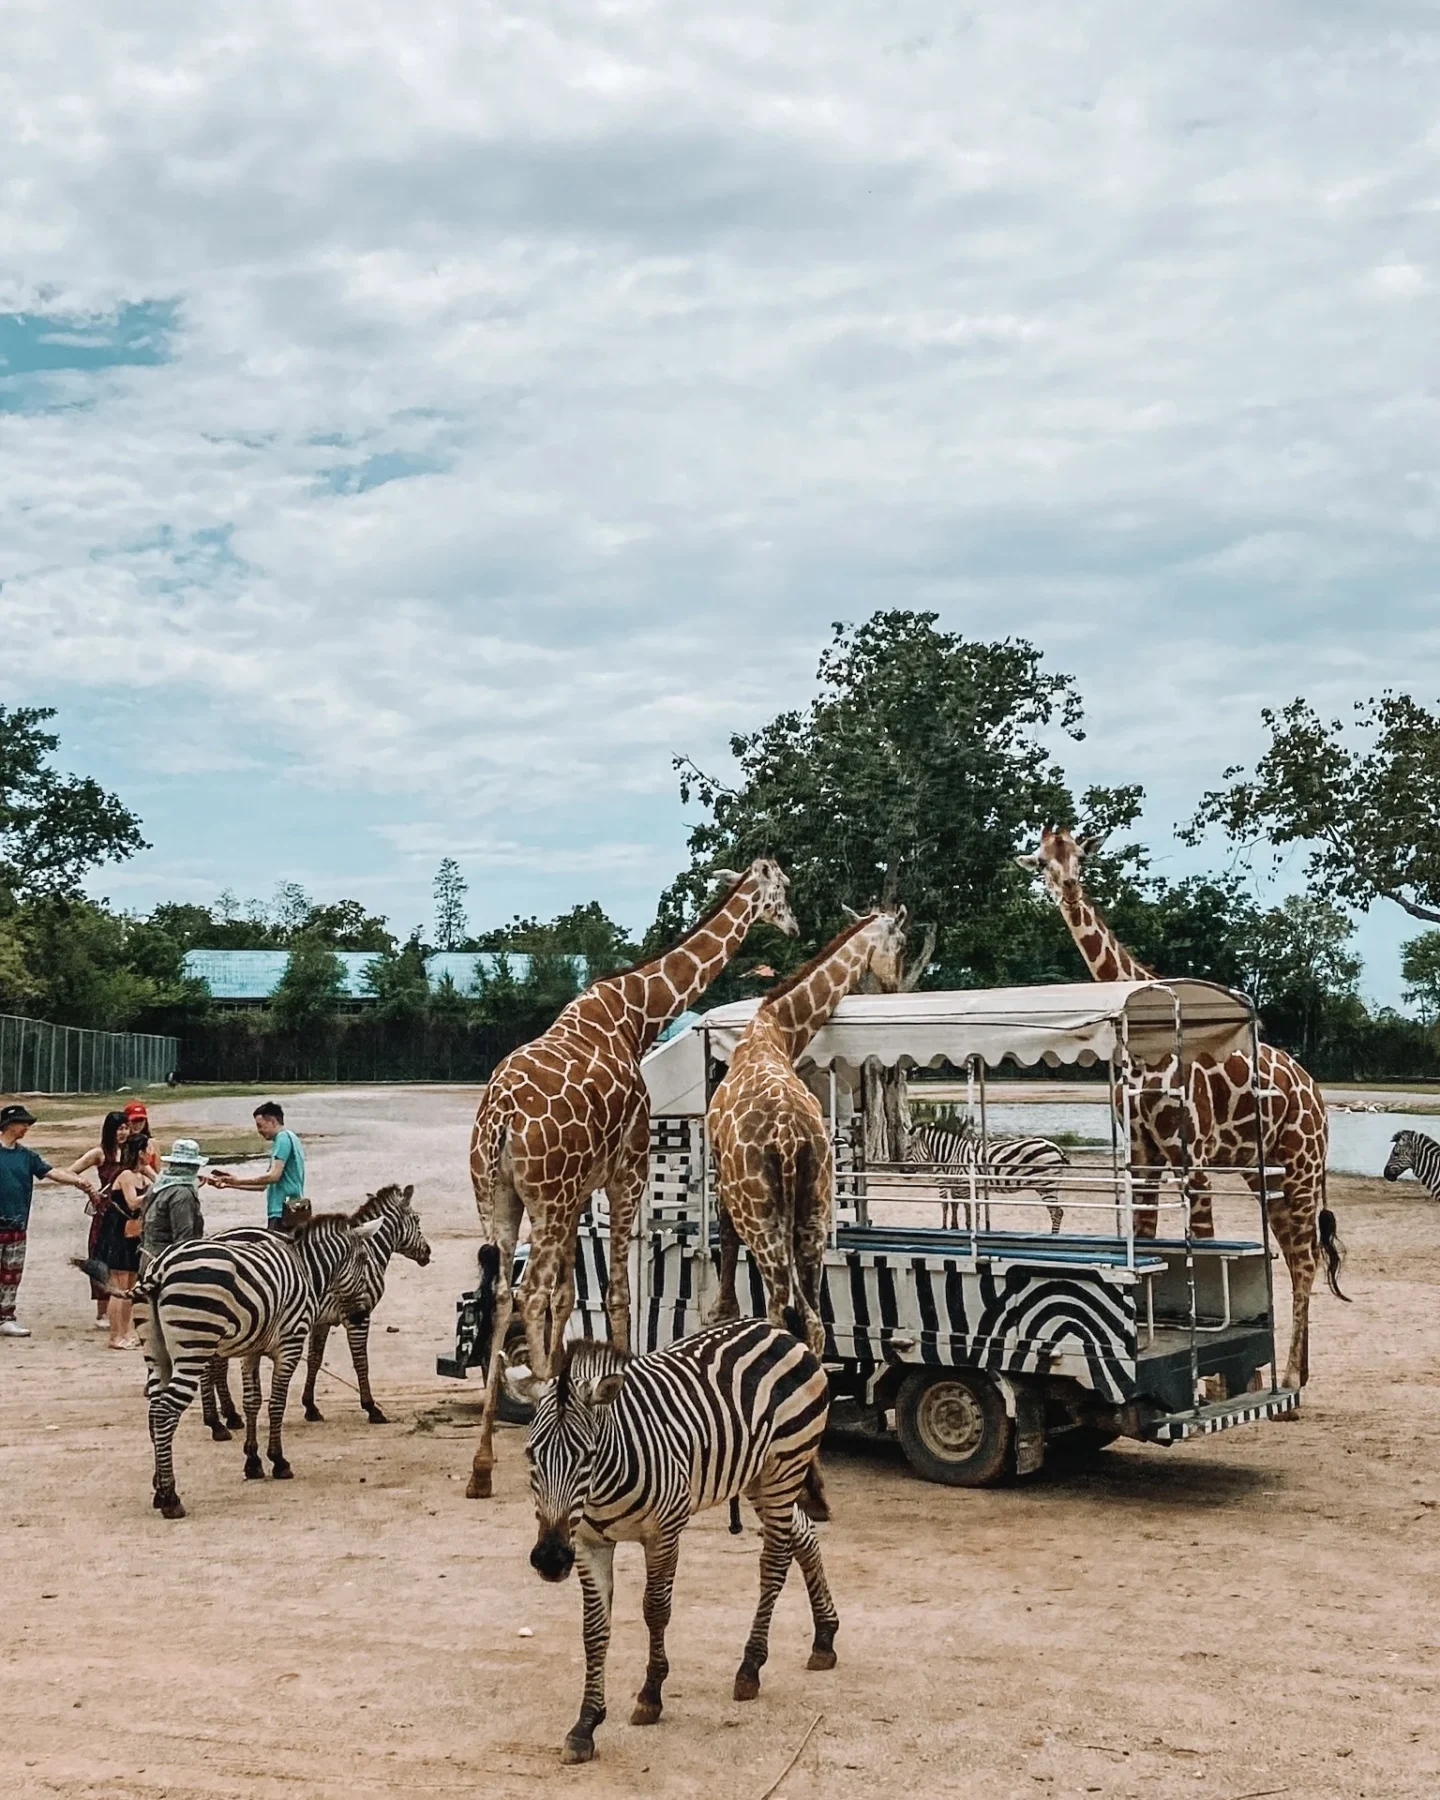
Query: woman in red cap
point(139, 1122)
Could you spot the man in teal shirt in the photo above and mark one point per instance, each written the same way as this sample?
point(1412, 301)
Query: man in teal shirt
point(285, 1178)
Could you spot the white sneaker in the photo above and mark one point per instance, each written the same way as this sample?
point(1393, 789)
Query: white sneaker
point(101, 1324)
point(13, 1328)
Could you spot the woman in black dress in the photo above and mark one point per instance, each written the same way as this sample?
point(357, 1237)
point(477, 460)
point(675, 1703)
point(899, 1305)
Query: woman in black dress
point(118, 1243)
point(105, 1160)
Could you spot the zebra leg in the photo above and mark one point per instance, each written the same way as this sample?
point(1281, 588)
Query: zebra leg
point(168, 1401)
point(595, 1564)
point(357, 1330)
point(1055, 1210)
point(208, 1407)
point(228, 1412)
point(822, 1607)
point(250, 1388)
point(778, 1524)
point(662, 1555)
point(286, 1361)
point(318, 1335)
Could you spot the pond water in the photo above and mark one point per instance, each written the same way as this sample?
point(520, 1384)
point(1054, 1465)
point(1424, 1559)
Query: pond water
point(1359, 1142)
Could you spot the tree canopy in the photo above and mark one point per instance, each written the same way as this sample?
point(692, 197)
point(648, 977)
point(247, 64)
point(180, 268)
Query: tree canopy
point(1366, 803)
point(53, 827)
point(916, 772)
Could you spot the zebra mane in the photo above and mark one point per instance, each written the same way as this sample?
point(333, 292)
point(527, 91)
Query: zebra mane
point(584, 1363)
point(393, 1198)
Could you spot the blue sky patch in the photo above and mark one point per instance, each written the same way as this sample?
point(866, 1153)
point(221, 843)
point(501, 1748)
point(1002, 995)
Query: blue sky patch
point(38, 350)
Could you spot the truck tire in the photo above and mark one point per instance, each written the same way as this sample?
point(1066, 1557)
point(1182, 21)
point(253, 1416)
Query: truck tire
point(511, 1409)
point(954, 1428)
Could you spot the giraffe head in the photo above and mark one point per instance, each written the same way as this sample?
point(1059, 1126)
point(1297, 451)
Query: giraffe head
point(885, 932)
point(770, 885)
point(1060, 860)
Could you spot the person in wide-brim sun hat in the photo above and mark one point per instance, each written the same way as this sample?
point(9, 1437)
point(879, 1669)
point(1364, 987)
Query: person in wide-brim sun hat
point(173, 1214)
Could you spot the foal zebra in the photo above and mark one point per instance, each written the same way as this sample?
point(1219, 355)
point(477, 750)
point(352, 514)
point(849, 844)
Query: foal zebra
point(626, 1448)
point(349, 1301)
point(246, 1293)
point(1420, 1154)
point(1005, 1165)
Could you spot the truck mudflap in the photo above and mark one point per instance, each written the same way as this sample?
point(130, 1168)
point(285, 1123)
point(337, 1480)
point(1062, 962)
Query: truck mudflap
point(1220, 1415)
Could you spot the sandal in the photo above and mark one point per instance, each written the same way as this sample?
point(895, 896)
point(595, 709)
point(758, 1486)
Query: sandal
point(125, 1343)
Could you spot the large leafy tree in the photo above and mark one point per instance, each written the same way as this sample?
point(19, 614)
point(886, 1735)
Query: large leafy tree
point(1364, 801)
point(914, 774)
point(53, 827)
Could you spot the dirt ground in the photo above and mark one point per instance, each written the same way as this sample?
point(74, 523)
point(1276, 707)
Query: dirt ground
point(1252, 1614)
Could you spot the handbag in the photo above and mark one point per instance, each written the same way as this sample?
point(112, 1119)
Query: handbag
point(134, 1225)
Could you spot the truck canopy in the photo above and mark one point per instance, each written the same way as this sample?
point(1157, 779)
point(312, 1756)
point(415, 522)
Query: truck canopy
point(1080, 1023)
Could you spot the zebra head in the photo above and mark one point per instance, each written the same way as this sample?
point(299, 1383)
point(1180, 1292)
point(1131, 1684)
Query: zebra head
point(561, 1448)
point(399, 1232)
point(1402, 1155)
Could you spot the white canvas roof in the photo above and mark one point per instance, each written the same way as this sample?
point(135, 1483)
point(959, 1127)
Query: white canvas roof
point(1080, 1023)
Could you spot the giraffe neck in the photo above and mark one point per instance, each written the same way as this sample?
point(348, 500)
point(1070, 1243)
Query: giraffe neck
point(796, 1014)
point(1105, 956)
point(649, 997)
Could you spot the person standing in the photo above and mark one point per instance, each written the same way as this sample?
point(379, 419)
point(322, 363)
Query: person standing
point(138, 1119)
point(118, 1244)
point(172, 1213)
point(285, 1178)
point(105, 1161)
point(20, 1169)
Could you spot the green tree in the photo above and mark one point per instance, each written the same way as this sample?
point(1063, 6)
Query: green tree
point(397, 980)
point(450, 889)
point(1367, 806)
point(1420, 967)
point(1302, 974)
point(345, 925)
point(53, 827)
point(585, 931)
point(916, 773)
point(311, 988)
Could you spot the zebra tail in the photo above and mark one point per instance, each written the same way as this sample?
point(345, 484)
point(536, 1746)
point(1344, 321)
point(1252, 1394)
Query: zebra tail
point(99, 1273)
point(735, 1526)
point(489, 1259)
point(813, 1502)
point(1333, 1251)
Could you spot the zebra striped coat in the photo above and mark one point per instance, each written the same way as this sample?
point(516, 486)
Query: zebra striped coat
point(247, 1293)
point(1420, 1154)
point(628, 1448)
point(1006, 1165)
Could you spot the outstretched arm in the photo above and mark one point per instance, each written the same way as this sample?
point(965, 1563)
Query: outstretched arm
point(223, 1177)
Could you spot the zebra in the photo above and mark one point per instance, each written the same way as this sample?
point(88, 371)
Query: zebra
point(1420, 1154)
point(246, 1293)
point(625, 1448)
point(1006, 1165)
point(348, 1301)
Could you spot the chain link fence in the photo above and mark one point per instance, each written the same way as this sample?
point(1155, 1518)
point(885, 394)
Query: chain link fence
point(38, 1058)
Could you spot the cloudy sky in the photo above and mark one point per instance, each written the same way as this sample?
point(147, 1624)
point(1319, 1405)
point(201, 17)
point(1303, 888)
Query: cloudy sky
point(418, 424)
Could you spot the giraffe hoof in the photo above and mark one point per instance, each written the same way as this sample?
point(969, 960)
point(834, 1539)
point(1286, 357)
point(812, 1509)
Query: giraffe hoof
point(747, 1686)
point(577, 1749)
point(478, 1488)
point(647, 1712)
point(822, 1659)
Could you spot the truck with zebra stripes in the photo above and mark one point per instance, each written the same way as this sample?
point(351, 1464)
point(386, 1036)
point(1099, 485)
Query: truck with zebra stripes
point(984, 1346)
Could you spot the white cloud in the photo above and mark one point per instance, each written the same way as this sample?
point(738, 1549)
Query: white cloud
point(686, 331)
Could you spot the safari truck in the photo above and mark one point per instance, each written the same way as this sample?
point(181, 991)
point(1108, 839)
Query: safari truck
point(980, 1345)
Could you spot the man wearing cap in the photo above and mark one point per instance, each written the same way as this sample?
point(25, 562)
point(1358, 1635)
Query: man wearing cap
point(20, 1169)
point(172, 1215)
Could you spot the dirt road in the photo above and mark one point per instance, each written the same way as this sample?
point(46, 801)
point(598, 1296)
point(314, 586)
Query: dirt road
point(1253, 1614)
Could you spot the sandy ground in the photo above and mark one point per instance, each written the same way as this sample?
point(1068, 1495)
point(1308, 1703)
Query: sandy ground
point(1253, 1614)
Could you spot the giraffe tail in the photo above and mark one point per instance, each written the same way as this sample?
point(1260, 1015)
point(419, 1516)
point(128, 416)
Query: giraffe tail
point(1333, 1251)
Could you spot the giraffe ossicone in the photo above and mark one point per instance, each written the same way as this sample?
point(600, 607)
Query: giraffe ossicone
point(1218, 1122)
point(773, 1155)
point(567, 1114)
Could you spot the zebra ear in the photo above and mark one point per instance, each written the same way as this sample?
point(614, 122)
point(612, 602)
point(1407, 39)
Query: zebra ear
point(409, 1193)
point(607, 1388)
point(368, 1228)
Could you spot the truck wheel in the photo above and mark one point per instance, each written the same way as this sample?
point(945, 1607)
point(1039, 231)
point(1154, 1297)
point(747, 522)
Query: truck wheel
point(512, 1410)
point(954, 1428)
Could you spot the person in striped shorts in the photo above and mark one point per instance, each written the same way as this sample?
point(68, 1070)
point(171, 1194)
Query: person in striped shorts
point(20, 1169)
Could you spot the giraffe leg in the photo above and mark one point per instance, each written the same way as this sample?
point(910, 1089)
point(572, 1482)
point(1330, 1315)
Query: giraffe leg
point(595, 1565)
point(662, 1554)
point(1202, 1205)
point(623, 1190)
point(315, 1356)
point(726, 1306)
point(1145, 1154)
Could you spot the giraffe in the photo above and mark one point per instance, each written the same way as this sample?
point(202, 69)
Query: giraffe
point(567, 1113)
point(772, 1147)
point(1221, 1111)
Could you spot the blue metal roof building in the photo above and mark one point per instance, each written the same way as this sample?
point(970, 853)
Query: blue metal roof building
point(240, 977)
